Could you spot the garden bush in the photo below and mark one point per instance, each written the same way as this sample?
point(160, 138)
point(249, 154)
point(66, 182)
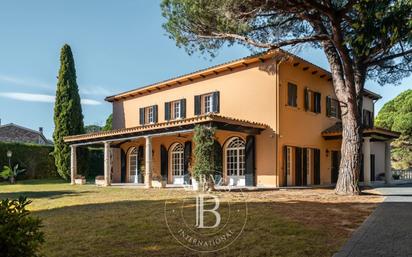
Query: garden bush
point(20, 233)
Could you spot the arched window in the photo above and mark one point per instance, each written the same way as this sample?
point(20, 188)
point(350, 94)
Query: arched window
point(177, 163)
point(235, 157)
point(133, 165)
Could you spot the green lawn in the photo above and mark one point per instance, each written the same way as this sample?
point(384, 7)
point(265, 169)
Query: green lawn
point(90, 221)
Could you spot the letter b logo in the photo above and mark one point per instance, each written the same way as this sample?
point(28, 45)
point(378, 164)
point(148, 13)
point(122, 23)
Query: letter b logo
point(200, 210)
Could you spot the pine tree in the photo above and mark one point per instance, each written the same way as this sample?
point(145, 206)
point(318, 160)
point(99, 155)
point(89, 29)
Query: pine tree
point(68, 117)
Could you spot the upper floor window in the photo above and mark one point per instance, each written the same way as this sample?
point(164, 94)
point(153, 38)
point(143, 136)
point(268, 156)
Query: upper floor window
point(207, 103)
point(175, 109)
point(367, 119)
point(312, 101)
point(292, 95)
point(332, 108)
point(148, 115)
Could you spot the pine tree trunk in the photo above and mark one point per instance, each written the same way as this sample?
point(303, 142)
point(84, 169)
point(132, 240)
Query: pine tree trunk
point(350, 151)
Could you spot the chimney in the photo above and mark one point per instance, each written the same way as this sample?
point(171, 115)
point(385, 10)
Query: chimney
point(41, 130)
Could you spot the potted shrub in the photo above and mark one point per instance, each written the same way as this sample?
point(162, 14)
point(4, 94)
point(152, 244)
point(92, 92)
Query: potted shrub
point(204, 165)
point(79, 180)
point(100, 181)
point(158, 182)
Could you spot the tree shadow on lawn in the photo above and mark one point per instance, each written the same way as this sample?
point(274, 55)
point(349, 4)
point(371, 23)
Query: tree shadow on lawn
point(42, 194)
point(138, 228)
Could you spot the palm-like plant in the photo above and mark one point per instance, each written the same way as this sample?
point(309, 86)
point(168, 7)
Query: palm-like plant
point(11, 173)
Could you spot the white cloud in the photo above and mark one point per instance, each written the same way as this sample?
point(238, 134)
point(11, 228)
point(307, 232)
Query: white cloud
point(94, 90)
point(33, 83)
point(29, 97)
point(26, 82)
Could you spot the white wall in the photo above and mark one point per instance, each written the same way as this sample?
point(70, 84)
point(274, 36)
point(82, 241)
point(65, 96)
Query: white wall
point(378, 149)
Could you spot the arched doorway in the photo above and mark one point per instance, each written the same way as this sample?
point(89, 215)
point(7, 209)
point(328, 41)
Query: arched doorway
point(235, 161)
point(177, 163)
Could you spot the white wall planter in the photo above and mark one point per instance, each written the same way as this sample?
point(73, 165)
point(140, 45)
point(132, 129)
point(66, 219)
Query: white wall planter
point(100, 182)
point(79, 181)
point(159, 184)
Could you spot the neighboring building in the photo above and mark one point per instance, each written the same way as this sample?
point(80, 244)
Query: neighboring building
point(18, 134)
point(278, 124)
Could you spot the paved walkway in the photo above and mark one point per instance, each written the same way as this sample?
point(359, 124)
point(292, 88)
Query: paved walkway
point(388, 231)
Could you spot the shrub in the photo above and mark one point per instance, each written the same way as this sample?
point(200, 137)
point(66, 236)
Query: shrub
point(20, 233)
point(205, 165)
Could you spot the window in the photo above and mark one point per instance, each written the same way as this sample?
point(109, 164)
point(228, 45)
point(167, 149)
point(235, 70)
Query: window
point(176, 111)
point(150, 115)
point(207, 103)
point(292, 95)
point(177, 164)
point(133, 166)
point(367, 119)
point(235, 157)
point(312, 101)
point(332, 108)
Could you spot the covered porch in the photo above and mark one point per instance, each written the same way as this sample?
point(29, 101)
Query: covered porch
point(162, 153)
point(376, 153)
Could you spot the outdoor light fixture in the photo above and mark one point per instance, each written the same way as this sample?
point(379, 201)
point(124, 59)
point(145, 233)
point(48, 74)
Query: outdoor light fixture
point(9, 154)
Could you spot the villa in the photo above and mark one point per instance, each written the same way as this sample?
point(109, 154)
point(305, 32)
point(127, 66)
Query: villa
point(277, 124)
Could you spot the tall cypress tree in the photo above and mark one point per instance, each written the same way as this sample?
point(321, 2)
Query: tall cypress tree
point(68, 116)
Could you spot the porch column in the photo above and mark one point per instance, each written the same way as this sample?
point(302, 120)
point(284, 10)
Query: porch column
point(367, 160)
point(107, 163)
point(388, 166)
point(73, 163)
point(148, 162)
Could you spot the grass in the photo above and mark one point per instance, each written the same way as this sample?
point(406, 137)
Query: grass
point(90, 221)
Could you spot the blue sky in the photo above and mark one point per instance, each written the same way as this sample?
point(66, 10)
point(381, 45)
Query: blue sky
point(117, 45)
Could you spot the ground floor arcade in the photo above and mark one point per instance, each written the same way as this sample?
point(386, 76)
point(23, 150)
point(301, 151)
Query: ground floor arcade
point(247, 154)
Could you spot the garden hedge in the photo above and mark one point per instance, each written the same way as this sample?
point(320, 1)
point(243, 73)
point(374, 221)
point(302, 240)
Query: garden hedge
point(36, 159)
point(39, 161)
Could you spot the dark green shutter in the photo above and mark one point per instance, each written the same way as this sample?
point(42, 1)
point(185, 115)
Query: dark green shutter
point(316, 166)
point(250, 161)
point(373, 167)
point(140, 162)
point(122, 166)
point(167, 111)
point(318, 101)
point(218, 157)
point(298, 166)
point(198, 108)
point(216, 99)
point(304, 167)
point(285, 165)
point(187, 154)
point(164, 162)
point(328, 103)
point(155, 112)
point(307, 99)
point(183, 108)
point(141, 115)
